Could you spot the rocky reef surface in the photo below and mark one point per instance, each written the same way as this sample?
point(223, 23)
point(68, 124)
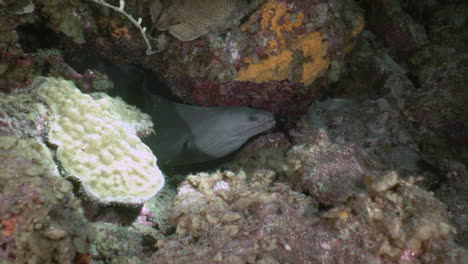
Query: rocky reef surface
point(366, 165)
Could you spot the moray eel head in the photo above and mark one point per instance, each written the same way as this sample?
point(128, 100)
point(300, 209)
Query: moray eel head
point(228, 130)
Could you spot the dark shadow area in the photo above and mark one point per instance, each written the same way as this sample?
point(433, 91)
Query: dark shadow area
point(36, 36)
point(112, 213)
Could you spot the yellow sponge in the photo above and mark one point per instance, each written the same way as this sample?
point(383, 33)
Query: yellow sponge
point(97, 143)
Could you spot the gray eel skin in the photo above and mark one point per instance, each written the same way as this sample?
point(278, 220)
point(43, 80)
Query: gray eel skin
point(185, 134)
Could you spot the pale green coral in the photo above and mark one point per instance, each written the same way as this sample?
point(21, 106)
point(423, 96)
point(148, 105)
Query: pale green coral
point(97, 143)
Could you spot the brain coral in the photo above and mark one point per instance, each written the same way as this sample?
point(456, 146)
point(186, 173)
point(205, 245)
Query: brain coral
point(97, 143)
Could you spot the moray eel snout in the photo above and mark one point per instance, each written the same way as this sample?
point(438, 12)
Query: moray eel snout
point(234, 126)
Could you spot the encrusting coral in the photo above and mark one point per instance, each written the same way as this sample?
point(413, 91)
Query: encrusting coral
point(98, 145)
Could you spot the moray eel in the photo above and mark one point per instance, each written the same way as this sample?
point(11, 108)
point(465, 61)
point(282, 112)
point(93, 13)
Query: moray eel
point(185, 134)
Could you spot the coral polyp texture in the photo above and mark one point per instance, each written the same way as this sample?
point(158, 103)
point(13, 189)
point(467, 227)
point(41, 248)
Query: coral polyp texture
point(97, 143)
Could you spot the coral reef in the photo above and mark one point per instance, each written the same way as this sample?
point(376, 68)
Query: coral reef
point(269, 61)
point(373, 125)
point(395, 26)
point(40, 219)
point(18, 7)
point(98, 145)
point(20, 63)
point(69, 17)
point(328, 172)
point(266, 152)
point(121, 245)
point(225, 218)
point(281, 50)
point(190, 20)
point(137, 23)
point(21, 115)
point(29, 156)
point(358, 179)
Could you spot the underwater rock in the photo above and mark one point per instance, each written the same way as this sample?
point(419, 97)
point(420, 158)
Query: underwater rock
point(266, 152)
point(328, 172)
point(373, 72)
point(21, 115)
point(188, 20)
point(226, 217)
point(17, 6)
point(272, 61)
point(116, 244)
point(13, 66)
point(40, 219)
point(376, 126)
point(72, 18)
point(396, 27)
point(438, 108)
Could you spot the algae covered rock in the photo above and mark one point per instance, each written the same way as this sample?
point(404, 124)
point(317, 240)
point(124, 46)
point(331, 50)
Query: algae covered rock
point(17, 6)
point(40, 219)
point(97, 143)
point(21, 115)
point(24, 156)
point(227, 217)
point(188, 20)
point(329, 172)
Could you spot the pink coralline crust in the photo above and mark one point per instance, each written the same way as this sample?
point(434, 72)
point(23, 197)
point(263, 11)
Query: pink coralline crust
point(283, 98)
point(146, 217)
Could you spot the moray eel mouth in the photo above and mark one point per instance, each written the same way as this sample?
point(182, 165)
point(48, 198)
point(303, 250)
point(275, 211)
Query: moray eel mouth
point(259, 128)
